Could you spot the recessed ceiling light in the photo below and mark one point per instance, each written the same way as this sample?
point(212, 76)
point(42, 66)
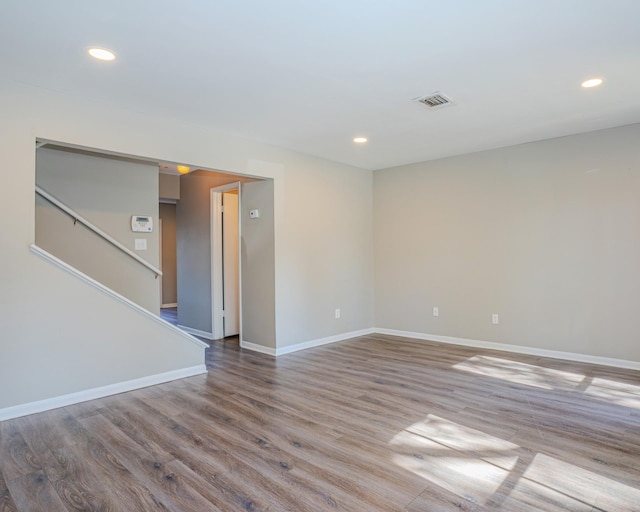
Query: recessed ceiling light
point(101, 54)
point(592, 82)
point(360, 140)
point(183, 169)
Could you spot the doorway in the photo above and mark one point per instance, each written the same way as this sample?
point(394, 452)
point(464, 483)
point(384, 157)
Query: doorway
point(167, 261)
point(225, 260)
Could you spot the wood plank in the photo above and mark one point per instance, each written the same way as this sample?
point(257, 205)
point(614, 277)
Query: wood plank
point(16, 458)
point(34, 493)
point(303, 441)
point(167, 478)
point(48, 462)
point(6, 501)
point(94, 479)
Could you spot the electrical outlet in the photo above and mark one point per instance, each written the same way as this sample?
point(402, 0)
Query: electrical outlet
point(337, 313)
point(495, 320)
point(436, 311)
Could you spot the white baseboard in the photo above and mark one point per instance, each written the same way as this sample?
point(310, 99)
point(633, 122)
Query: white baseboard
point(305, 345)
point(257, 348)
point(517, 349)
point(92, 394)
point(170, 305)
point(197, 332)
point(322, 341)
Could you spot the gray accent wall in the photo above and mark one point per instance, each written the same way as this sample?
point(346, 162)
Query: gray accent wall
point(546, 235)
point(257, 254)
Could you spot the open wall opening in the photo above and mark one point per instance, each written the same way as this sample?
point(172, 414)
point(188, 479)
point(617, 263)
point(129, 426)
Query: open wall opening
point(113, 190)
point(84, 209)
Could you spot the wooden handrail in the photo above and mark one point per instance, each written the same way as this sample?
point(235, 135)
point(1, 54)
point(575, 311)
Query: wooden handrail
point(79, 218)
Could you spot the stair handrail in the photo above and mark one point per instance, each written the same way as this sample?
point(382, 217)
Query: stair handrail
point(79, 218)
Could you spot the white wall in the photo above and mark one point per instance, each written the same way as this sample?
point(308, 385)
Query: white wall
point(545, 234)
point(106, 192)
point(36, 364)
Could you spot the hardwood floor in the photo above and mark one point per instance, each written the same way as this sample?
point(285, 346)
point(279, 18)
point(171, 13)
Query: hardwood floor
point(372, 424)
point(169, 315)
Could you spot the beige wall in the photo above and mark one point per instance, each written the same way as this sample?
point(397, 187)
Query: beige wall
point(327, 231)
point(169, 278)
point(545, 234)
point(169, 186)
point(106, 192)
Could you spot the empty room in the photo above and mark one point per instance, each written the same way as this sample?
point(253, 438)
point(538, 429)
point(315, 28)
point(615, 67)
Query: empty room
point(404, 265)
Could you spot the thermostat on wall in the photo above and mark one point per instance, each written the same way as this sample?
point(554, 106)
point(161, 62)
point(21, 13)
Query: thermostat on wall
point(141, 224)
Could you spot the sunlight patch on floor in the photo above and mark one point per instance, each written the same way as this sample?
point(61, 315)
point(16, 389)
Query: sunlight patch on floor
point(619, 393)
point(569, 487)
point(469, 478)
point(465, 461)
point(488, 470)
point(459, 437)
point(520, 373)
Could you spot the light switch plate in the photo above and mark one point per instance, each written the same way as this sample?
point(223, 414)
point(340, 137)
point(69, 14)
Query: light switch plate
point(140, 244)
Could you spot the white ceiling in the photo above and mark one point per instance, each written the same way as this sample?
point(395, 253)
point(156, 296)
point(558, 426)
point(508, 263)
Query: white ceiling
point(311, 75)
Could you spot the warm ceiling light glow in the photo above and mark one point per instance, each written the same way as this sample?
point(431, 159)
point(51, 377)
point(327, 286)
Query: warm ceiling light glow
point(592, 82)
point(183, 169)
point(360, 140)
point(102, 54)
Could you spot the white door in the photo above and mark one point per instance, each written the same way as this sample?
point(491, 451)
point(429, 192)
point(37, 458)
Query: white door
point(230, 262)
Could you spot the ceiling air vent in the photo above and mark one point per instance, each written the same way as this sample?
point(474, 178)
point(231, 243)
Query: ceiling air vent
point(435, 100)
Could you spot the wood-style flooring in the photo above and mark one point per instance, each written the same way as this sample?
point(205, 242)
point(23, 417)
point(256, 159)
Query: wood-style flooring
point(376, 423)
point(169, 315)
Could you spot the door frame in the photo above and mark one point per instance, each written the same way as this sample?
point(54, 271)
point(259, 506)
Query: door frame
point(217, 276)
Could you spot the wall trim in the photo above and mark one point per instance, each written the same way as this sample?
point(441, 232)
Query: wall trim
point(257, 348)
point(305, 345)
point(196, 332)
point(108, 291)
point(517, 349)
point(100, 392)
point(322, 341)
point(170, 305)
